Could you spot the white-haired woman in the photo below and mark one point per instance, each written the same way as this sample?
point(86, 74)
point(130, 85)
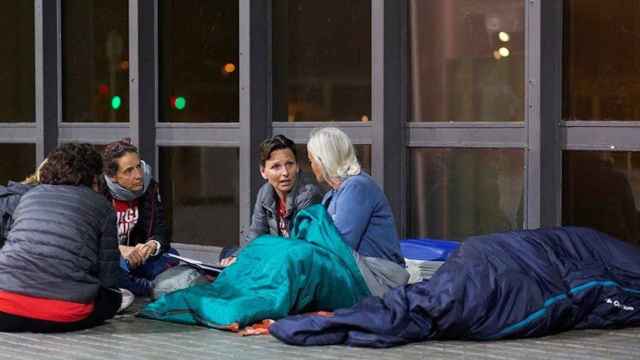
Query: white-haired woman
point(359, 209)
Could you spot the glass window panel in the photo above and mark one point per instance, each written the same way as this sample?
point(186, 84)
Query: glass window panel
point(601, 71)
point(456, 193)
point(17, 63)
point(363, 152)
point(199, 61)
point(199, 186)
point(601, 190)
point(322, 60)
point(466, 60)
point(17, 161)
point(95, 61)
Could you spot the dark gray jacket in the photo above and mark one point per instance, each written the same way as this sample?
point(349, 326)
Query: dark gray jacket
point(62, 245)
point(9, 198)
point(263, 221)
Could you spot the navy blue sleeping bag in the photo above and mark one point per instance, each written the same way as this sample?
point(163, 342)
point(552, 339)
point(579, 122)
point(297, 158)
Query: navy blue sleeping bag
point(508, 285)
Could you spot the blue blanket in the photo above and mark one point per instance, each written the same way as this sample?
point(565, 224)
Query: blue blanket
point(508, 285)
point(273, 277)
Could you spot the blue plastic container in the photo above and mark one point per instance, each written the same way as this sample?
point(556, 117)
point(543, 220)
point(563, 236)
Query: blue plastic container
point(428, 249)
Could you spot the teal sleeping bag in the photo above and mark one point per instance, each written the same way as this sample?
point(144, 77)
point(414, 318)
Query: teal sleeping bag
point(272, 278)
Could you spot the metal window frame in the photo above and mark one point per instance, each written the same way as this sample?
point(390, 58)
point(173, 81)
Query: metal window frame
point(593, 134)
point(388, 99)
point(361, 133)
point(255, 97)
point(543, 135)
point(47, 75)
point(600, 135)
point(587, 134)
point(544, 172)
point(39, 132)
point(538, 135)
point(99, 133)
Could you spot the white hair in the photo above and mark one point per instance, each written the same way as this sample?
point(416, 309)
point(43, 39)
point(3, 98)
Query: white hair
point(333, 149)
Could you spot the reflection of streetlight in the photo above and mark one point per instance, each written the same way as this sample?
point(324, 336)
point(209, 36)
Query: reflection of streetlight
point(177, 102)
point(114, 48)
point(181, 103)
point(103, 89)
point(503, 36)
point(229, 68)
point(116, 102)
point(504, 52)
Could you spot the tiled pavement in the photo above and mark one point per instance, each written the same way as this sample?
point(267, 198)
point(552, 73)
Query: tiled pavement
point(128, 337)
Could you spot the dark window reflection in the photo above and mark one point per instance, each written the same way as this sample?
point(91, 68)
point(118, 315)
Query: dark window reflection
point(601, 71)
point(95, 61)
point(17, 67)
point(199, 61)
point(601, 189)
point(17, 161)
point(322, 60)
point(363, 152)
point(199, 186)
point(466, 60)
point(456, 193)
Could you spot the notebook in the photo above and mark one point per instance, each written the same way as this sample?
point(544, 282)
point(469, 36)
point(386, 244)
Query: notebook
point(207, 268)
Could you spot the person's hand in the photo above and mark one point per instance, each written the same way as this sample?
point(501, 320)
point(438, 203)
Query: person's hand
point(227, 261)
point(132, 255)
point(145, 250)
point(150, 248)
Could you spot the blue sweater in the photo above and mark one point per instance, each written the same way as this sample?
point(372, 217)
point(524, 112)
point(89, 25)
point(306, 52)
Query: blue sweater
point(362, 214)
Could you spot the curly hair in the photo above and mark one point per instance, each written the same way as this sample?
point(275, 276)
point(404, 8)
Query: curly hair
point(72, 164)
point(114, 151)
point(274, 143)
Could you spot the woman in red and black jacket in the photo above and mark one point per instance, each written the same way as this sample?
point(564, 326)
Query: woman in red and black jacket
point(143, 235)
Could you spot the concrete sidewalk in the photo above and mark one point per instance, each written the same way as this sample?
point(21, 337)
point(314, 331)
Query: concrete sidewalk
point(128, 337)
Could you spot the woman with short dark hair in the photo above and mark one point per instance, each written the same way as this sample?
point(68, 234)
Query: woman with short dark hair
point(60, 261)
point(331, 259)
point(286, 191)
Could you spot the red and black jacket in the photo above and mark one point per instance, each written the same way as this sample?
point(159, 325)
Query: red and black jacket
point(151, 222)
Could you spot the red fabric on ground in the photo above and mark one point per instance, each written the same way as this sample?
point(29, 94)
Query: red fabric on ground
point(43, 309)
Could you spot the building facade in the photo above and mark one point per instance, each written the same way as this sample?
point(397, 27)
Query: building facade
point(475, 116)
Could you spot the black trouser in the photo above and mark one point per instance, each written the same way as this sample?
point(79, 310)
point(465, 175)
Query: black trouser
point(106, 305)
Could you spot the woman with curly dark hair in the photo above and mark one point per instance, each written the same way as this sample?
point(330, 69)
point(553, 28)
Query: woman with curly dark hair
point(59, 265)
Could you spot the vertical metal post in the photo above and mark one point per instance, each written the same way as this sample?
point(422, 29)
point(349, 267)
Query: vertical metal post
point(551, 111)
point(389, 55)
point(255, 96)
point(543, 102)
point(47, 75)
point(143, 76)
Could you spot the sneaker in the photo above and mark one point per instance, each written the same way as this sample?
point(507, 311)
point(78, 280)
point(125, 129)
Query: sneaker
point(127, 300)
